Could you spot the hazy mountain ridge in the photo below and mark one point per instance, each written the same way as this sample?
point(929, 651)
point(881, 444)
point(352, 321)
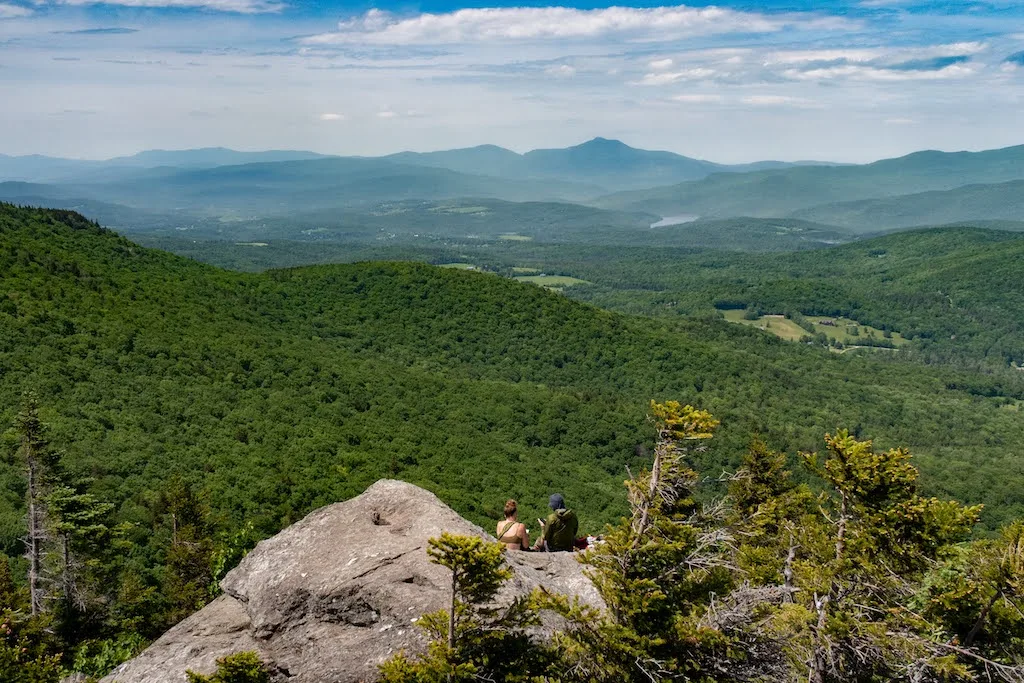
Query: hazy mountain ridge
point(39, 168)
point(784, 191)
point(609, 164)
point(284, 186)
point(136, 195)
point(1001, 201)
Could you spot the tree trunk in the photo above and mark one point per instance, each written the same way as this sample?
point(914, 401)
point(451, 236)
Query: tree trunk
point(641, 527)
point(67, 578)
point(819, 660)
point(35, 533)
point(976, 629)
point(451, 613)
point(787, 572)
point(841, 533)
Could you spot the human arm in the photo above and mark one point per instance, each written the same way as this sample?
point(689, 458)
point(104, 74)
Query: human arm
point(539, 545)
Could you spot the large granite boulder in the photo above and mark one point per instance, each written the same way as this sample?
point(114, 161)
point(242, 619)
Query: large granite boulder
point(334, 595)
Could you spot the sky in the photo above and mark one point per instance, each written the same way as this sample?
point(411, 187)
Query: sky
point(736, 81)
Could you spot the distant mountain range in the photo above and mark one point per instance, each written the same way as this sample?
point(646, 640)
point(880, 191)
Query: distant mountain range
point(38, 168)
point(161, 188)
point(782, 192)
point(609, 165)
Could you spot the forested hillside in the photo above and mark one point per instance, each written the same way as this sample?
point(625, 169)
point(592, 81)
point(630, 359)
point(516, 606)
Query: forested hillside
point(271, 394)
point(954, 291)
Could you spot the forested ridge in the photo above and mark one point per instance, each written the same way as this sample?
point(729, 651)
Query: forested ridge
point(267, 395)
point(955, 290)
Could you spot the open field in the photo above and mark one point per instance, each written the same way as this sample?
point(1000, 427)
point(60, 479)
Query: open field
point(458, 266)
point(849, 332)
point(778, 325)
point(514, 237)
point(552, 281)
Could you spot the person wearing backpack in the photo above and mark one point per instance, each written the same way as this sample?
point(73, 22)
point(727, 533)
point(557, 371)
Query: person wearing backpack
point(559, 531)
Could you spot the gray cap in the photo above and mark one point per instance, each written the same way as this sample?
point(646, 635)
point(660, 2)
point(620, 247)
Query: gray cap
point(556, 502)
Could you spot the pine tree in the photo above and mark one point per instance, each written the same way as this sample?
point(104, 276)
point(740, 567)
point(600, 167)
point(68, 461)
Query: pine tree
point(655, 570)
point(466, 636)
point(189, 564)
point(39, 459)
point(80, 525)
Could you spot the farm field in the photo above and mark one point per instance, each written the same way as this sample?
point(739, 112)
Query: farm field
point(850, 332)
point(458, 266)
point(779, 325)
point(843, 330)
point(552, 281)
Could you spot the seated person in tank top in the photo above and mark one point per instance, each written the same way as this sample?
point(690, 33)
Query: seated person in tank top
point(511, 532)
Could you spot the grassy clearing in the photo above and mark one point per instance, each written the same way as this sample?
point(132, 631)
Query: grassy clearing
point(252, 244)
point(552, 281)
point(514, 237)
point(458, 266)
point(851, 333)
point(776, 324)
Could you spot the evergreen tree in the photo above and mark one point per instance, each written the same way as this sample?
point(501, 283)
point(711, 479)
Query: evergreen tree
point(28, 651)
point(466, 637)
point(188, 568)
point(79, 524)
point(39, 460)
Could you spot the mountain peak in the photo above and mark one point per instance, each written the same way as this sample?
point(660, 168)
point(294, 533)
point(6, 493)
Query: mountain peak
point(605, 143)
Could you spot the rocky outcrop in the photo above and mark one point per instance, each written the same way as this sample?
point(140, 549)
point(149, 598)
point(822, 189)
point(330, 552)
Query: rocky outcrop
point(332, 596)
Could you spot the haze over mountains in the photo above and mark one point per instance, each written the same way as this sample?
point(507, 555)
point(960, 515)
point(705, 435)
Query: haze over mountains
point(160, 189)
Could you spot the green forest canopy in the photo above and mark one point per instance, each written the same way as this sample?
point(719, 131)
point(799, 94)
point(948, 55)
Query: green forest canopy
point(276, 393)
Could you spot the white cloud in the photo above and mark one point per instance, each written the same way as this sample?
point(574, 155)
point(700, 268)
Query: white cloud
point(332, 117)
point(803, 56)
point(13, 11)
point(666, 77)
point(777, 101)
point(899, 122)
point(661, 64)
point(236, 6)
point(561, 71)
point(865, 55)
point(387, 114)
point(489, 24)
point(698, 99)
point(872, 73)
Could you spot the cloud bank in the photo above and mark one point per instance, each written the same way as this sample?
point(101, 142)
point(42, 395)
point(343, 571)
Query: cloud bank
point(8, 11)
point(489, 24)
point(234, 6)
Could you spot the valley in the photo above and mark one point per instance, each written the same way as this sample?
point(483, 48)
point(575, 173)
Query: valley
point(483, 338)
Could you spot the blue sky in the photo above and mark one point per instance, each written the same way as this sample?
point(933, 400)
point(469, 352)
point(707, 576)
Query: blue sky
point(730, 81)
